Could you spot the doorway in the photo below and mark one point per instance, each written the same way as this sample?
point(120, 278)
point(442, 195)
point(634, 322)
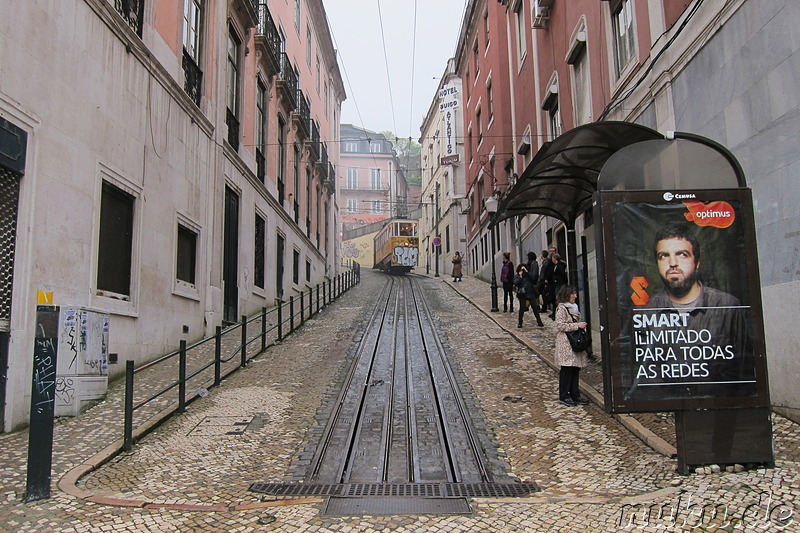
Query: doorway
point(230, 260)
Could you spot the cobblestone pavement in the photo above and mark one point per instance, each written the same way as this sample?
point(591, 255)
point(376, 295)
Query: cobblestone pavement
point(192, 473)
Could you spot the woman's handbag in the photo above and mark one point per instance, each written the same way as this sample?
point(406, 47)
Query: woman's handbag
point(579, 338)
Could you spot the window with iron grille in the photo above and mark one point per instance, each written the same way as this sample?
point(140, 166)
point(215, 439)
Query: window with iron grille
point(193, 75)
point(259, 247)
point(232, 115)
point(261, 131)
point(296, 267)
point(281, 159)
point(115, 245)
point(9, 200)
point(187, 254)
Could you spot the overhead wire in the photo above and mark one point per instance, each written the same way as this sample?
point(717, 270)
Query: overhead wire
point(386, 62)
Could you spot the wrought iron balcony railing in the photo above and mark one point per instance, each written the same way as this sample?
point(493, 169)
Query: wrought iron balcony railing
point(193, 78)
point(314, 137)
point(304, 110)
point(261, 166)
point(233, 129)
point(289, 78)
point(267, 28)
point(133, 13)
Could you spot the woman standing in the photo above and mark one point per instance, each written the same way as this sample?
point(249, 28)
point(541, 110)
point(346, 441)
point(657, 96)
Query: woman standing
point(457, 266)
point(507, 279)
point(526, 292)
point(568, 318)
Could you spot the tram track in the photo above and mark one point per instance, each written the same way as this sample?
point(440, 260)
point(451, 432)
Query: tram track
point(400, 426)
point(400, 417)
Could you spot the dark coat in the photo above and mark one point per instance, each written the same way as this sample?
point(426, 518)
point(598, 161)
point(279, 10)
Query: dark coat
point(526, 288)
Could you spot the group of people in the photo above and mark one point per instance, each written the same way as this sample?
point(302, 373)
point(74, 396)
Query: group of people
point(547, 280)
point(532, 281)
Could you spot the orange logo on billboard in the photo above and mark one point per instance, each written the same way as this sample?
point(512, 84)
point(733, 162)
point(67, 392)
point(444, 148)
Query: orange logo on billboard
point(715, 214)
point(639, 296)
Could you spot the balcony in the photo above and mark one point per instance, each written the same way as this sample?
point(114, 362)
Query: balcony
point(287, 83)
point(133, 13)
point(248, 9)
point(314, 143)
point(233, 129)
point(268, 41)
point(323, 159)
point(261, 166)
point(302, 114)
point(193, 78)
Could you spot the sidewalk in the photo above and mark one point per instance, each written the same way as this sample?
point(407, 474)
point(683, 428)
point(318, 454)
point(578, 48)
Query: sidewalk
point(657, 430)
point(193, 472)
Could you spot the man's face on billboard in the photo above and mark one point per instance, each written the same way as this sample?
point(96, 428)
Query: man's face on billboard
point(677, 265)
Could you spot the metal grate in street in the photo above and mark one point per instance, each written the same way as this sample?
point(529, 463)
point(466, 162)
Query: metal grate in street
point(399, 490)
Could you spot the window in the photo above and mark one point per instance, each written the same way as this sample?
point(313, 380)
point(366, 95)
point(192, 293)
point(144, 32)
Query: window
point(308, 45)
point(232, 115)
point(351, 205)
point(308, 202)
point(308, 271)
point(475, 59)
point(622, 26)
point(296, 166)
point(115, 245)
point(261, 131)
point(480, 125)
point(187, 254)
point(554, 119)
point(281, 159)
point(259, 249)
point(319, 75)
point(582, 90)
point(521, 30)
point(297, 15)
point(375, 178)
point(325, 98)
point(489, 100)
point(377, 206)
point(351, 146)
point(352, 178)
point(486, 27)
point(192, 11)
point(296, 267)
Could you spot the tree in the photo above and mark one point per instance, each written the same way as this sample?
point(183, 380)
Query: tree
point(409, 154)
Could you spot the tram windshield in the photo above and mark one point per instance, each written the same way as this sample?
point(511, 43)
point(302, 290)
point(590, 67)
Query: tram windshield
point(406, 229)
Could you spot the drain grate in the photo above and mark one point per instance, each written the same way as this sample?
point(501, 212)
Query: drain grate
point(399, 490)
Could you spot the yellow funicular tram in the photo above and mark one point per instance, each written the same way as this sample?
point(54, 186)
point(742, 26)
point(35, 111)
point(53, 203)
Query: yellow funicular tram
point(397, 246)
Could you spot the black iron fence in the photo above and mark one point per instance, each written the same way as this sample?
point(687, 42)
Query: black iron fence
point(158, 389)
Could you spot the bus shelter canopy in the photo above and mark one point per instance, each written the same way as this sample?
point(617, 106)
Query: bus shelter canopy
point(562, 177)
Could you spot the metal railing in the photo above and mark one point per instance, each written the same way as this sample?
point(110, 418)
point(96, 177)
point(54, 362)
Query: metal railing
point(193, 78)
point(288, 77)
point(161, 388)
point(133, 13)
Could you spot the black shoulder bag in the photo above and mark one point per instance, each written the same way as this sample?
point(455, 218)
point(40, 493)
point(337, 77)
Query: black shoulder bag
point(579, 338)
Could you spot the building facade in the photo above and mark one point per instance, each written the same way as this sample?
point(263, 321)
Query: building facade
point(708, 68)
point(171, 163)
point(443, 202)
point(372, 184)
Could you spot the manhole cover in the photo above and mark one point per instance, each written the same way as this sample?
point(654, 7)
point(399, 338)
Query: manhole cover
point(221, 425)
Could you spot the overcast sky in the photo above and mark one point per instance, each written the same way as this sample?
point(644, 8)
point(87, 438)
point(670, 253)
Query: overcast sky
point(356, 29)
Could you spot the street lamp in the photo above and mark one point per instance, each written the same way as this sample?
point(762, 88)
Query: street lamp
point(491, 208)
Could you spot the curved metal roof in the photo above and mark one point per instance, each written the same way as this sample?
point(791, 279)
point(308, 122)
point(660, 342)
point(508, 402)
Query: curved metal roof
point(562, 177)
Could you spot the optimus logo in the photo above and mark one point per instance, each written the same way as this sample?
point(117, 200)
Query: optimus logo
point(668, 196)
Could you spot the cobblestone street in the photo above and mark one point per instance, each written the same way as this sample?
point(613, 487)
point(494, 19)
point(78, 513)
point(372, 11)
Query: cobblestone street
point(193, 472)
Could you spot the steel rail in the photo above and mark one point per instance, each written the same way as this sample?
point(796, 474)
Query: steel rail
point(322, 450)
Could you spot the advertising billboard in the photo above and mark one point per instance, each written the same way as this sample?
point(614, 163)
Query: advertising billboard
point(683, 308)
